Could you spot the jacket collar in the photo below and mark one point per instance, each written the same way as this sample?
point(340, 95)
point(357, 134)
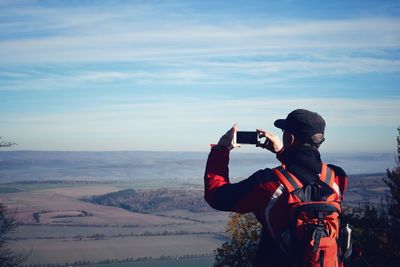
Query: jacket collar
point(304, 162)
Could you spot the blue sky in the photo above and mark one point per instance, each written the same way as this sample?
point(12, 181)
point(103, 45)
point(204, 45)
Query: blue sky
point(174, 75)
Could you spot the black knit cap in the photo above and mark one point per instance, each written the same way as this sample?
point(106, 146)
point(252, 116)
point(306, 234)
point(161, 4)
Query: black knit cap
point(302, 123)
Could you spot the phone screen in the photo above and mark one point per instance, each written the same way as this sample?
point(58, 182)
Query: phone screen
point(246, 137)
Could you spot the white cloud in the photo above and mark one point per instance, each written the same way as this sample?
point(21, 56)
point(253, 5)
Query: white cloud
point(97, 76)
point(180, 50)
point(121, 43)
point(189, 72)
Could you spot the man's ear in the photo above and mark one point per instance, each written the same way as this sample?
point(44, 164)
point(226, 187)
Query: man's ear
point(288, 139)
point(291, 139)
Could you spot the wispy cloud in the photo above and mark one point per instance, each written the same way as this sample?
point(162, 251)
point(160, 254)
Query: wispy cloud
point(189, 72)
point(55, 35)
point(151, 111)
point(76, 73)
point(163, 46)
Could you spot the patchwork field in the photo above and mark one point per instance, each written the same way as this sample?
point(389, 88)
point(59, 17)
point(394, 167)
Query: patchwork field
point(367, 187)
point(60, 228)
point(192, 262)
point(66, 201)
point(92, 250)
point(62, 223)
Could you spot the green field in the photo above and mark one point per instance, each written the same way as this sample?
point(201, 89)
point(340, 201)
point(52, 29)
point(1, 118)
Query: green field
point(26, 187)
point(54, 231)
point(7, 189)
point(123, 184)
point(71, 250)
point(195, 262)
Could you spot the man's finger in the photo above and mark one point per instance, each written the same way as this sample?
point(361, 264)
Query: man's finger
point(269, 135)
point(261, 132)
point(266, 133)
point(236, 145)
point(233, 129)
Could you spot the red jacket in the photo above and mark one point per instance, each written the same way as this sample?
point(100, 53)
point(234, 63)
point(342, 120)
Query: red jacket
point(254, 193)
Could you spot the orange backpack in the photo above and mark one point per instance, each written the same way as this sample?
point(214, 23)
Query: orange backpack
point(312, 239)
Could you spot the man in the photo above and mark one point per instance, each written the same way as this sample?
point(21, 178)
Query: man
point(262, 193)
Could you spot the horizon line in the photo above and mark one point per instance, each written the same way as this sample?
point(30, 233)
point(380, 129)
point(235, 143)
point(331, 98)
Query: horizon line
point(182, 151)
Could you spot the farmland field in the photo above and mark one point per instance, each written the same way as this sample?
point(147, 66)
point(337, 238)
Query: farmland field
point(92, 250)
point(196, 262)
point(100, 207)
point(67, 200)
point(60, 228)
point(56, 231)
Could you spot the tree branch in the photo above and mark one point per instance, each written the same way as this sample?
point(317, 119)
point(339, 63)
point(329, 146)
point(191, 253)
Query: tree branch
point(5, 143)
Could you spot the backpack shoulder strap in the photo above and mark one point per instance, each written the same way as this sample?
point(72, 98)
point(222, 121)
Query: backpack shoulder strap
point(290, 182)
point(327, 175)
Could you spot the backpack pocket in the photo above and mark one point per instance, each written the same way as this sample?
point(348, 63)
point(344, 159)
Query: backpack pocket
point(326, 254)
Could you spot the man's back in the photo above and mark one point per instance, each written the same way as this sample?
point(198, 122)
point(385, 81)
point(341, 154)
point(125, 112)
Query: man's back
point(263, 193)
point(256, 193)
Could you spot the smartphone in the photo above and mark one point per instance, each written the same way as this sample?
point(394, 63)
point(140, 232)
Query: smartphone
point(246, 138)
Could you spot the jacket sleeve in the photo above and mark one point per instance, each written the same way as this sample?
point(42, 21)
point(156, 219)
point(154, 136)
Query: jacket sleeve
point(248, 195)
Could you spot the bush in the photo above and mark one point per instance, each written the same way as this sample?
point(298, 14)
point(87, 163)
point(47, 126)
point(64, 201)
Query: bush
point(376, 229)
point(243, 232)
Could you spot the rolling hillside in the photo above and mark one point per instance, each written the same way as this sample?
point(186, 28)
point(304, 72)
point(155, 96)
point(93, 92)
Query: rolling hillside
point(155, 200)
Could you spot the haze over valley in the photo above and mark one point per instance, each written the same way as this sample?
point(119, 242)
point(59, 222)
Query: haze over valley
point(135, 207)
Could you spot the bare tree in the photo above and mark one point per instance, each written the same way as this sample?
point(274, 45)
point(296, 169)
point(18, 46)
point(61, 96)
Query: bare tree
point(8, 224)
point(5, 143)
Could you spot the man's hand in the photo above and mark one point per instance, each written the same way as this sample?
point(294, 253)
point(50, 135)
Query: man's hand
point(272, 141)
point(227, 139)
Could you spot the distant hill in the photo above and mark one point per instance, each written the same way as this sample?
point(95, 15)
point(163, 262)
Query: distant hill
point(97, 166)
point(155, 200)
point(360, 188)
point(39, 165)
point(365, 187)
